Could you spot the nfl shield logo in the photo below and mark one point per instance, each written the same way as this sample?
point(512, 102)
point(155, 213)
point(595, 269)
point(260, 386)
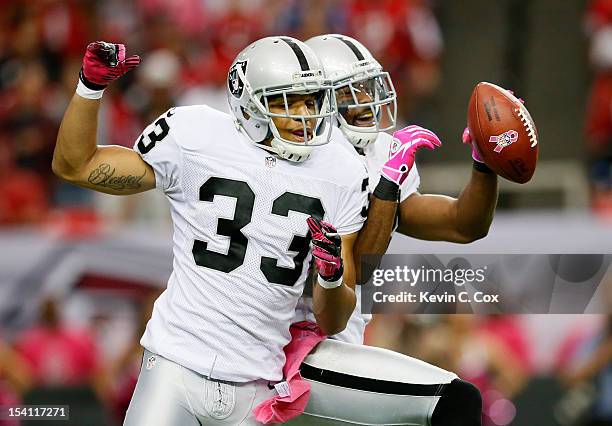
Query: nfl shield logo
point(151, 361)
point(234, 83)
point(270, 161)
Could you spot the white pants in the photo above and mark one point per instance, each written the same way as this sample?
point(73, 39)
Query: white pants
point(168, 394)
point(350, 384)
point(364, 385)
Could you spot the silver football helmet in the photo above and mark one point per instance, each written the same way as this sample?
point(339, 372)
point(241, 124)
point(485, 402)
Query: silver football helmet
point(364, 92)
point(272, 69)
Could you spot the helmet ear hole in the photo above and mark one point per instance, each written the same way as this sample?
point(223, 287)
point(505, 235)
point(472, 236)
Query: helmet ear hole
point(245, 114)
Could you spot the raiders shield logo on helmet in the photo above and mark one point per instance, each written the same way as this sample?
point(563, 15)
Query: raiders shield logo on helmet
point(234, 83)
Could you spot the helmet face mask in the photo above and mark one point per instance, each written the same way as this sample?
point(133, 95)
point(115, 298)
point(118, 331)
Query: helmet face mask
point(364, 93)
point(367, 105)
point(276, 101)
point(313, 124)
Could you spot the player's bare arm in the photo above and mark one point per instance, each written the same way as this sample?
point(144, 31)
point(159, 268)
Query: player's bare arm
point(79, 160)
point(77, 157)
point(469, 217)
point(443, 218)
point(333, 295)
point(376, 233)
point(459, 220)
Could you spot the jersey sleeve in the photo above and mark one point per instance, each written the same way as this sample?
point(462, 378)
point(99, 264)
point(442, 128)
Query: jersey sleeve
point(353, 206)
point(411, 184)
point(158, 147)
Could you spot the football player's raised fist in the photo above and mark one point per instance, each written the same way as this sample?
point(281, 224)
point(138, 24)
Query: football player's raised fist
point(103, 62)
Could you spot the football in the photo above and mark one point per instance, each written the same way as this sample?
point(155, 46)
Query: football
point(504, 132)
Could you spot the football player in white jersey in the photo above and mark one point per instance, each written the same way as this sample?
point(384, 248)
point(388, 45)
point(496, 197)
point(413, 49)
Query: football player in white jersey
point(240, 192)
point(402, 389)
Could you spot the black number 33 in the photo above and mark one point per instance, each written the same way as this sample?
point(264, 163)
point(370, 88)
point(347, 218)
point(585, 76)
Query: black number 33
point(232, 228)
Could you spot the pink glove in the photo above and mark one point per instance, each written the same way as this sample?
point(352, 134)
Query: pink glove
point(403, 149)
point(326, 247)
point(520, 99)
point(466, 137)
point(104, 62)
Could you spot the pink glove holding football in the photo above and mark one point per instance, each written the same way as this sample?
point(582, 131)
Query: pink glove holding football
point(405, 144)
point(103, 62)
point(466, 138)
point(326, 249)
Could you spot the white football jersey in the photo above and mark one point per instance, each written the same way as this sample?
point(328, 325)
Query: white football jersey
point(241, 254)
point(374, 156)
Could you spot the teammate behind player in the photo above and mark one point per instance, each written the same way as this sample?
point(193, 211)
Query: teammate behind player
point(215, 340)
point(363, 93)
point(404, 390)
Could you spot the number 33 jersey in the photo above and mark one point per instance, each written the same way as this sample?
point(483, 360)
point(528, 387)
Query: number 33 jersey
point(241, 252)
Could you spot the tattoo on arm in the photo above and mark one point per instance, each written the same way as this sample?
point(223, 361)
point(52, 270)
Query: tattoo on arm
point(104, 176)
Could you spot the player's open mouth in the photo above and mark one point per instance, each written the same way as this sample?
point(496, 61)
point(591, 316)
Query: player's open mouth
point(364, 119)
point(298, 134)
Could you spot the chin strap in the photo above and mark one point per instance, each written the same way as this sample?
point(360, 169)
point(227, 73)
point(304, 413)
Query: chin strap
point(297, 154)
point(279, 148)
point(359, 139)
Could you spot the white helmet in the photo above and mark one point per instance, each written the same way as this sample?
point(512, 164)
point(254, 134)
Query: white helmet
point(353, 69)
point(272, 67)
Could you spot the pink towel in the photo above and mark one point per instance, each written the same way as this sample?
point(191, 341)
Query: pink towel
point(295, 391)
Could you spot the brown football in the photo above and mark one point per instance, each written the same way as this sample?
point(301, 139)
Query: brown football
point(504, 132)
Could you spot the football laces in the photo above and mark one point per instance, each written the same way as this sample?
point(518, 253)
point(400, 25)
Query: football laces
point(529, 126)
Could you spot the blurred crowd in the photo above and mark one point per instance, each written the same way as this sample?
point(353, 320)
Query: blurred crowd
point(187, 47)
point(57, 361)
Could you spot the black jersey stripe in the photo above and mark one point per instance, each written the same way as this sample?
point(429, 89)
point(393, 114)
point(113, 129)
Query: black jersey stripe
point(298, 52)
point(352, 46)
point(367, 384)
